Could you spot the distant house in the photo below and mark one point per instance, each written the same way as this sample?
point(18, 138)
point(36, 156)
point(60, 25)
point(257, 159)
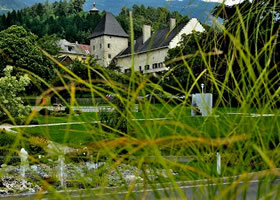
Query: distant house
point(70, 51)
point(109, 42)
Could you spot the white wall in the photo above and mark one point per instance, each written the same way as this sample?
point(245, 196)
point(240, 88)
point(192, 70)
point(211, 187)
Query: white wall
point(143, 59)
point(96, 50)
point(192, 25)
point(117, 44)
point(158, 56)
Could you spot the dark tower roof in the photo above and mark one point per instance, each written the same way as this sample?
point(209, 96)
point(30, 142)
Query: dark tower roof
point(108, 26)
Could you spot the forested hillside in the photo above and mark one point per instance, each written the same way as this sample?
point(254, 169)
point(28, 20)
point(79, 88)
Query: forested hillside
point(68, 20)
point(9, 5)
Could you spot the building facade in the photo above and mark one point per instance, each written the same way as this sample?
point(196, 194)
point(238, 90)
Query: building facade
point(109, 42)
point(150, 50)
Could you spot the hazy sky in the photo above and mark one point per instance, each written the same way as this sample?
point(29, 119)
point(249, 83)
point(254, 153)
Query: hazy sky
point(227, 2)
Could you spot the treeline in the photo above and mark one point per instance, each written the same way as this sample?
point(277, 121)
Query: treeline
point(65, 19)
point(68, 20)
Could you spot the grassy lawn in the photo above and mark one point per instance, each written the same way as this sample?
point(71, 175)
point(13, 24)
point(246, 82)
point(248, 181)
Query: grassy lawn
point(78, 134)
point(178, 123)
point(84, 117)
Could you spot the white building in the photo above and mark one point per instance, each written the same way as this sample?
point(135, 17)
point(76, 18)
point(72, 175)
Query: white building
point(109, 41)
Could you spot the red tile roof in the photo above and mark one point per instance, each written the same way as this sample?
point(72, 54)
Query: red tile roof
point(85, 48)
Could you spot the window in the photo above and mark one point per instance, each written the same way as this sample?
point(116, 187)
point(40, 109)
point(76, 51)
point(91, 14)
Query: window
point(155, 65)
point(147, 67)
point(109, 56)
point(109, 45)
point(96, 56)
point(93, 47)
point(70, 48)
point(140, 68)
point(100, 46)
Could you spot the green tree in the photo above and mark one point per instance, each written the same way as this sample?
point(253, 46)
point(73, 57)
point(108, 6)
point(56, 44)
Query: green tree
point(49, 44)
point(77, 5)
point(252, 30)
point(11, 105)
point(18, 48)
point(186, 61)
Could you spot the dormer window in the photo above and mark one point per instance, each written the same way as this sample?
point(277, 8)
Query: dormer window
point(70, 48)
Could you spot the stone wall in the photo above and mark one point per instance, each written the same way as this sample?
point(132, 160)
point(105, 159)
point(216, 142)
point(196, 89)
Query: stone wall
point(105, 48)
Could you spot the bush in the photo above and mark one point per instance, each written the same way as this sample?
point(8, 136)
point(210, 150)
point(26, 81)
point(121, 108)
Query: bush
point(67, 110)
point(6, 139)
point(59, 114)
point(44, 111)
point(37, 145)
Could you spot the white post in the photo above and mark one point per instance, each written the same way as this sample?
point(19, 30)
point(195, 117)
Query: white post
point(218, 163)
point(61, 170)
point(202, 86)
point(24, 164)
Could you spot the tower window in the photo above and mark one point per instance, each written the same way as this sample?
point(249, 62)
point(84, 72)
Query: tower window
point(109, 45)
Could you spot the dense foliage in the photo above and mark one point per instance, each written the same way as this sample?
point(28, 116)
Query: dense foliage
point(156, 17)
point(67, 19)
point(18, 48)
point(253, 30)
point(11, 105)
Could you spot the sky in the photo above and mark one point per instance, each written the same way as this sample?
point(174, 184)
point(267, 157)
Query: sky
point(227, 2)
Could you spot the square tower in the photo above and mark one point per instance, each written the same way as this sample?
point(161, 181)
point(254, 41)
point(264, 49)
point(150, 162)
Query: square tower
point(108, 40)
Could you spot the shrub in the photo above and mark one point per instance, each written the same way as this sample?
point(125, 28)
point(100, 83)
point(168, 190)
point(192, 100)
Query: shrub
point(44, 111)
point(6, 139)
point(37, 145)
point(59, 114)
point(67, 110)
point(11, 104)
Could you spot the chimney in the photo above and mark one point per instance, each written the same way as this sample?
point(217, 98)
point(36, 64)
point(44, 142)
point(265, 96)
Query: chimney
point(172, 23)
point(146, 32)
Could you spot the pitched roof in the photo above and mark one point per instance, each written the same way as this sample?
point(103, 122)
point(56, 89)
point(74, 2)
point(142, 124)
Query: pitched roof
point(108, 26)
point(85, 48)
point(159, 39)
point(68, 47)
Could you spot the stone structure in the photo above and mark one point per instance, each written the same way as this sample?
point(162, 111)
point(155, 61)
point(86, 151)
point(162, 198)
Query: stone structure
point(94, 10)
point(108, 40)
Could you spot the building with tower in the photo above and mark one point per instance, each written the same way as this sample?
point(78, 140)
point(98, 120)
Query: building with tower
point(109, 43)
